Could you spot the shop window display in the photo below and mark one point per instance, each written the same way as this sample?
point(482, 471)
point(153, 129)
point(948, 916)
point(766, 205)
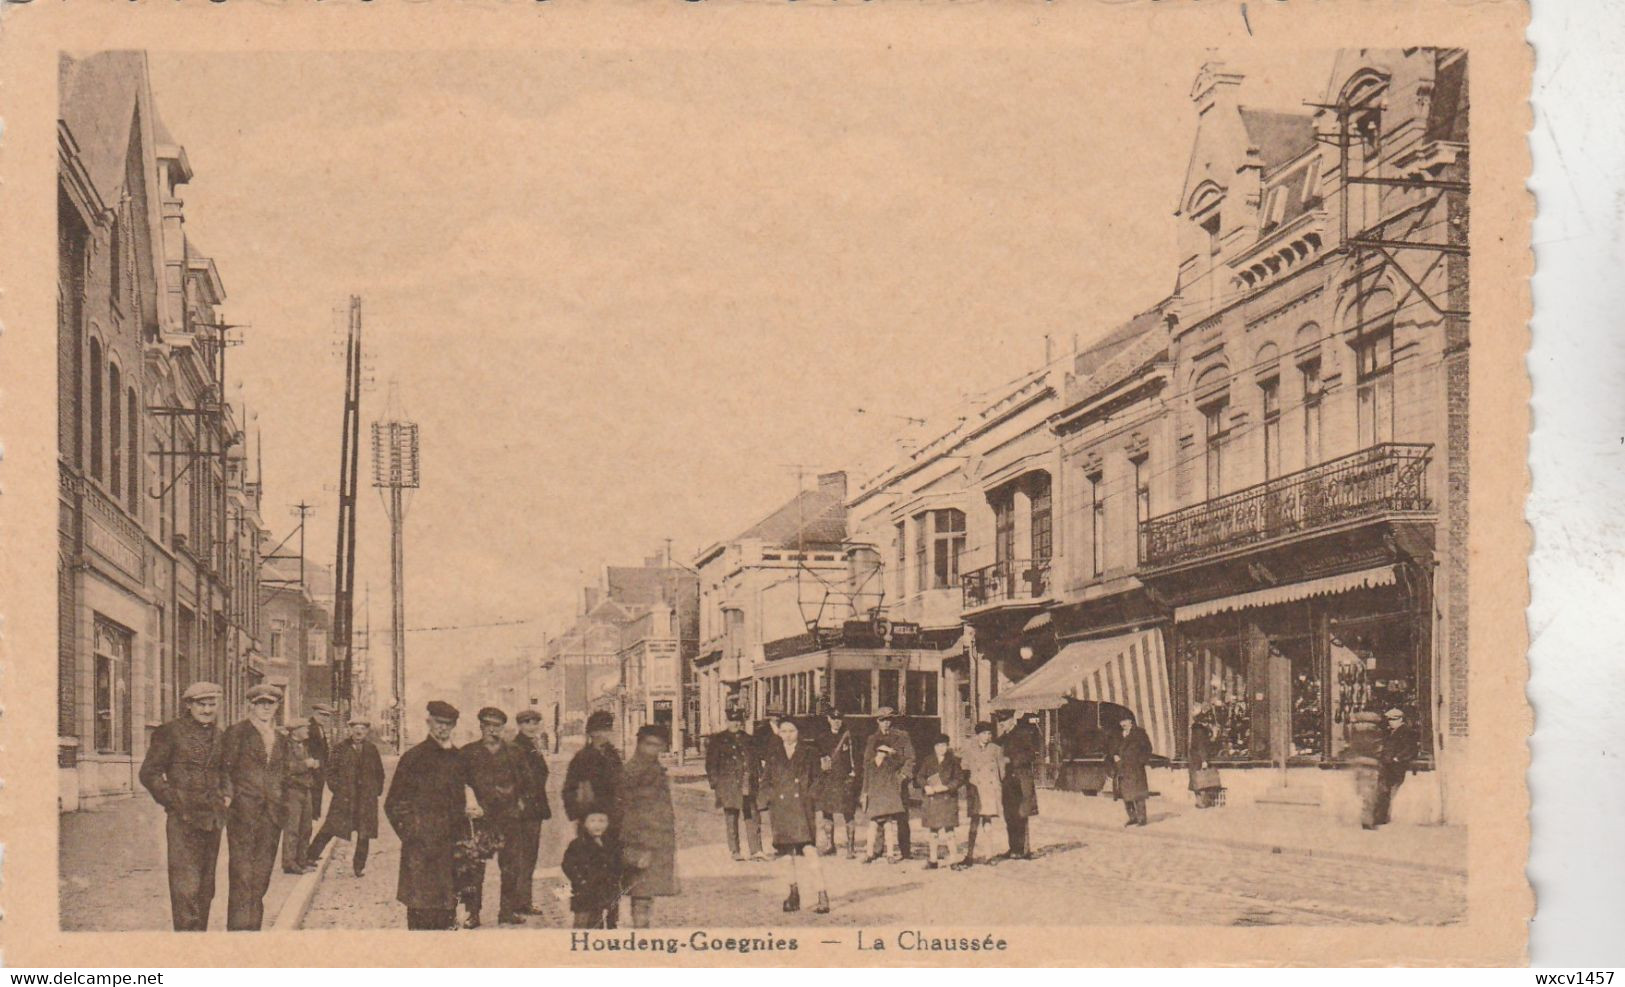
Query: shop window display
point(1218, 682)
point(1374, 663)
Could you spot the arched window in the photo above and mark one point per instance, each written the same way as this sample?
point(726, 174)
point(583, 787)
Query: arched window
point(96, 385)
point(115, 432)
point(133, 463)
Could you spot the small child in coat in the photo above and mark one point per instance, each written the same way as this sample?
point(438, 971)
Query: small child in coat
point(940, 777)
point(883, 803)
point(593, 864)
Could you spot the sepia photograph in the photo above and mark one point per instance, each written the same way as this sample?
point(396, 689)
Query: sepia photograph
point(770, 503)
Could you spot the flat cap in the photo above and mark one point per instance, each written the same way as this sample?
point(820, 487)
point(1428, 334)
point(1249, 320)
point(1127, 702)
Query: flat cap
point(263, 691)
point(1395, 714)
point(527, 716)
point(201, 690)
point(885, 713)
point(654, 730)
point(984, 727)
point(359, 720)
point(443, 711)
point(600, 719)
point(490, 714)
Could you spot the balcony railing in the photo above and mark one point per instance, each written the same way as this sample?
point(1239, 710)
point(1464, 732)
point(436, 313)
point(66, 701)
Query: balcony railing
point(1010, 581)
point(1387, 478)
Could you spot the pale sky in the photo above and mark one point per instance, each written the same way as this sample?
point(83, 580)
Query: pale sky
point(622, 292)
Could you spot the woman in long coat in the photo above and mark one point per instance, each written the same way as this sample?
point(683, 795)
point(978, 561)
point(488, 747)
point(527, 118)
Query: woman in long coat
point(1132, 753)
point(1201, 755)
point(790, 777)
point(940, 777)
point(984, 765)
point(648, 827)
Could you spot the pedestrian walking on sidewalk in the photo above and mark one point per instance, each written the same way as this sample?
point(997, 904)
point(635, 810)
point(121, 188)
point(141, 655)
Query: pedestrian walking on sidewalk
point(984, 764)
point(1400, 748)
point(837, 793)
point(429, 811)
point(648, 827)
point(182, 771)
point(355, 774)
point(593, 777)
point(592, 863)
point(1131, 754)
point(791, 781)
point(254, 757)
point(940, 778)
point(902, 746)
point(1204, 777)
point(300, 775)
point(731, 770)
point(499, 778)
point(883, 801)
point(534, 808)
point(1021, 746)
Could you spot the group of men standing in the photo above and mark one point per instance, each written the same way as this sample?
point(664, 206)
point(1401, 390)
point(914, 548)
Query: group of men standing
point(260, 786)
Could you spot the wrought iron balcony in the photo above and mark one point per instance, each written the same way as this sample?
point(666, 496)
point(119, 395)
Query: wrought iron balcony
point(1010, 581)
point(1381, 479)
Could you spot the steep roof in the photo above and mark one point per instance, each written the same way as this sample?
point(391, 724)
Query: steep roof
point(99, 97)
point(812, 517)
point(1278, 136)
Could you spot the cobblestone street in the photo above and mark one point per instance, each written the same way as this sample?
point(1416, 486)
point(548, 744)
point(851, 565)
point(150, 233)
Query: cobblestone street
point(1086, 873)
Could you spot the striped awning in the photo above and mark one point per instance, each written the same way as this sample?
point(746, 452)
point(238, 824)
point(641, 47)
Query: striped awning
point(1128, 670)
point(1380, 576)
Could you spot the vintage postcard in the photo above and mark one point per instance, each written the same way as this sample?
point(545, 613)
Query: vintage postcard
point(764, 484)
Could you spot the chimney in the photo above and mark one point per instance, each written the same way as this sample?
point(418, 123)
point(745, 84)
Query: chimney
point(833, 485)
point(1215, 83)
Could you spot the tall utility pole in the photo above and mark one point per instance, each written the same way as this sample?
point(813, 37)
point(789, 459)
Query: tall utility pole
point(395, 471)
point(344, 556)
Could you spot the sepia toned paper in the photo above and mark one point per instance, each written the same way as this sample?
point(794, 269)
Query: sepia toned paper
point(652, 283)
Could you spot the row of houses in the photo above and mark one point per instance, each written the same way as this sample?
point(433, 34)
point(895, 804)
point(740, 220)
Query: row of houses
point(1248, 501)
point(161, 576)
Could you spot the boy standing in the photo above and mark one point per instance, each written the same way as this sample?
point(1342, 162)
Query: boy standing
point(593, 865)
point(883, 802)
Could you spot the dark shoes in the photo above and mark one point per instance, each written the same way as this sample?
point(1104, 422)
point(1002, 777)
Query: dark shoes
point(510, 919)
point(534, 910)
point(930, 865)
point(472, 922)
point(822, 908)
point(962, 865)
point(793, 903)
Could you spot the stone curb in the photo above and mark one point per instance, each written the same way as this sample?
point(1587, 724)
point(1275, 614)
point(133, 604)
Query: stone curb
point(292, 914)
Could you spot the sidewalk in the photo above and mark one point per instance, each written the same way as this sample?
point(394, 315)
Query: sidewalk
point(1279, 829)
point(113, 873)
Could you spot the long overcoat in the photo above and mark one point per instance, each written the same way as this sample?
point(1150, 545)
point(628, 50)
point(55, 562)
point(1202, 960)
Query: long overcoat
point(355, 776)
point(1021, 747)
point(1133, 753)
point(425, 806)
point(790, 781)
point(837, 791)
point(984, 782)
point(940, 810)
point(731, 768)
point(648, 825)
point(534, 755)
point(883, 787)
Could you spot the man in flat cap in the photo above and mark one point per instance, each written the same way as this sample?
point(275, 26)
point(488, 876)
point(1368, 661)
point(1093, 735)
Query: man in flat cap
point(594, 775)
point(497, 774)
point(902, 745)
point(837, 791)
point(731, 768)
point(318, 744)
point(355, 774)
point(1400, 748)
point(254, 756)
point(299, 782)
point(428, 809)
point(534, 810)
point(182, 771)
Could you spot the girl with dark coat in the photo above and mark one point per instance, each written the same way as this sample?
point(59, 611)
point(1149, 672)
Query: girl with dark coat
point(1131, 754)
point(940, 777)
point(648, 827)
point(790, 778)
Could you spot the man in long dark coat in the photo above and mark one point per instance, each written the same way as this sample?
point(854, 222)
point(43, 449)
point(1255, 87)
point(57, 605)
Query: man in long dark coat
point(731, 770)
point(902, 746)
point(594, 775)
point(1021, 748)
point(182, 771)
point(320, 744)
point(532, 746)
point(497, 774)
point(428, 809)
point(837, 790)
point(1400, 747)
point(1131, 752)
point(355, 775)
point(253, 757)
